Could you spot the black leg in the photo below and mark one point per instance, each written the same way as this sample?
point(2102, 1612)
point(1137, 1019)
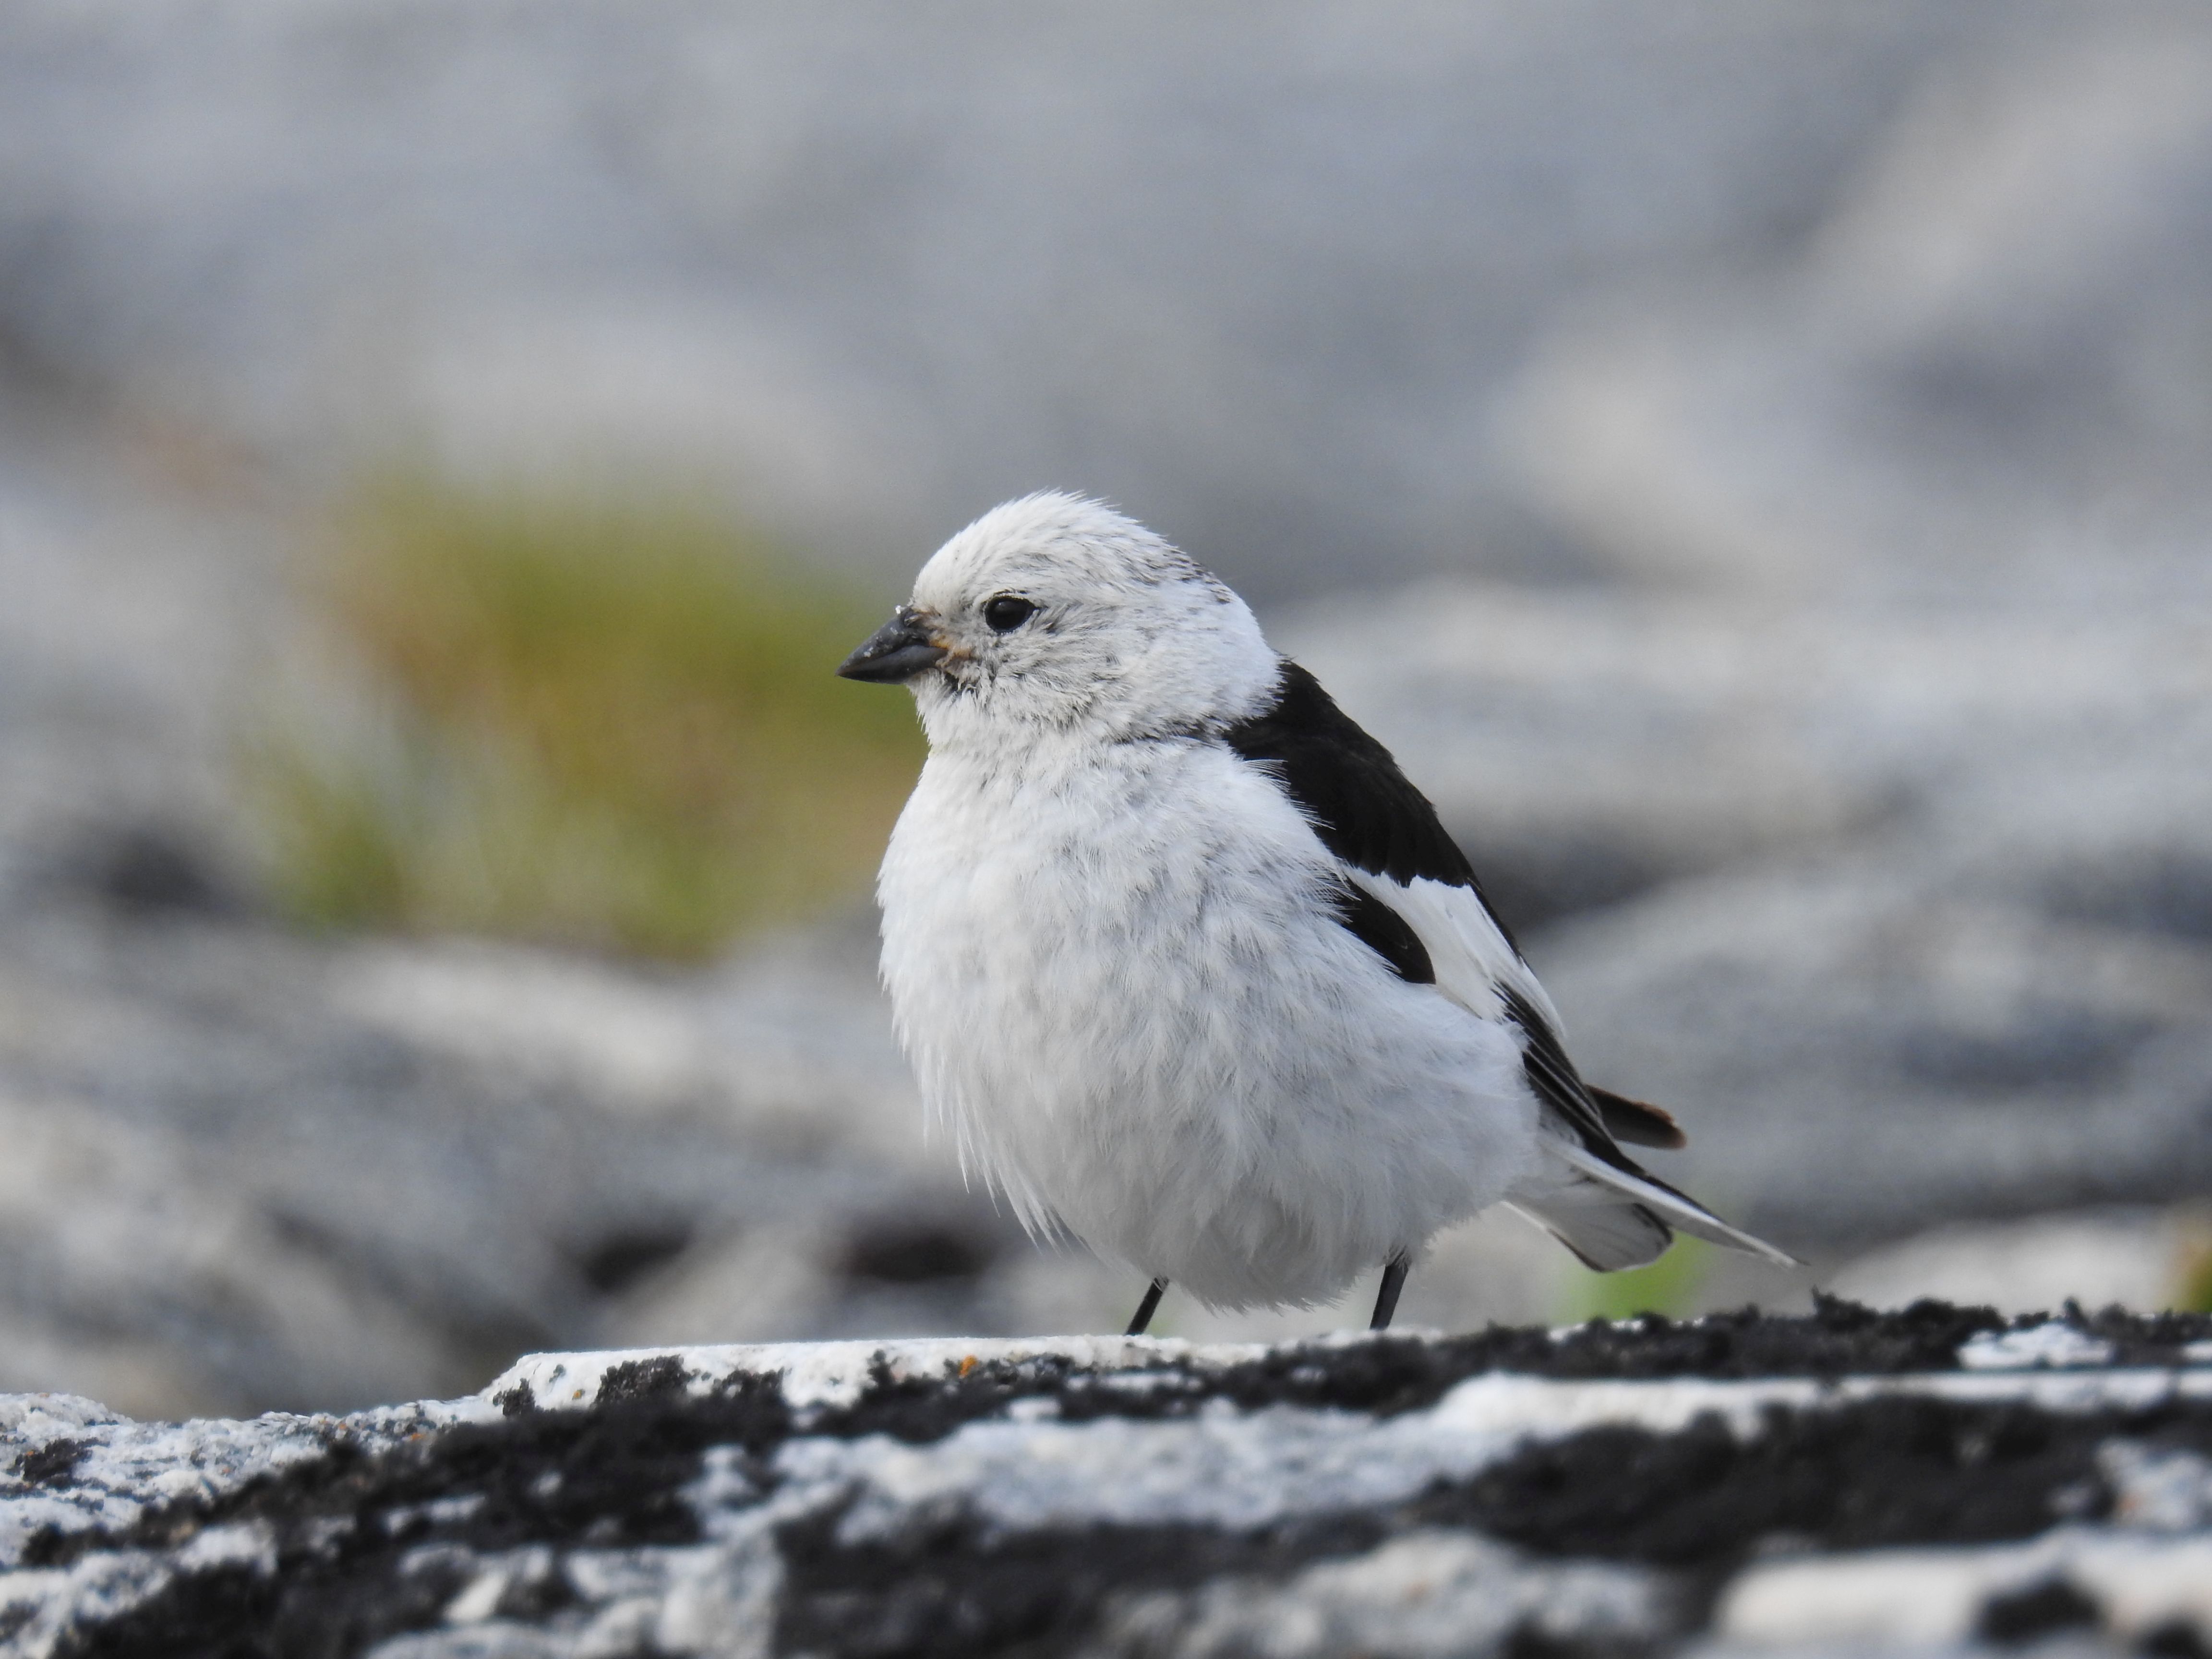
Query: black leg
point(1146, 1308)
point(1386, 1299)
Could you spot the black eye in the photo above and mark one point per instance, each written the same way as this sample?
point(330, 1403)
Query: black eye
point(1006, 613)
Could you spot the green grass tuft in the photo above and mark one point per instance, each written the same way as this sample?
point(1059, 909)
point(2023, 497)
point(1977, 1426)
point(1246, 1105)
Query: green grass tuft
point(614, 723)
point(2196, 1292)
point(1669, 1286)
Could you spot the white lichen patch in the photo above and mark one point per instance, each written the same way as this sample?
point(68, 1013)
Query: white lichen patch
point(106, 1472)
point(69, 1466)
point(836, 1374)
point(1936, 1597)
point(1426, 1595)
point(1216, 1467)
point(1075, 1447)
point(2054, 1344)
point(2162, 1488)
point(1221, 1467)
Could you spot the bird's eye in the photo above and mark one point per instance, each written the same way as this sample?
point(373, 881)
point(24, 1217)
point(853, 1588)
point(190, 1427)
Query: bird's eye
point(1006, 613)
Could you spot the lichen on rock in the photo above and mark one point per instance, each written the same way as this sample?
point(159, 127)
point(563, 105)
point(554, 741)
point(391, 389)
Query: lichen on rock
point(1602, 1489)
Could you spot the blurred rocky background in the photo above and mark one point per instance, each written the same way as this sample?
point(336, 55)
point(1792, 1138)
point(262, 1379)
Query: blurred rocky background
point(1751, 459)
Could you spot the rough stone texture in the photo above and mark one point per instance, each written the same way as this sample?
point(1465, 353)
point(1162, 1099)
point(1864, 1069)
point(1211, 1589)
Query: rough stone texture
point(1276, 273)
point(1982, 369)
point(2129, 1255)
point(1929, 1478)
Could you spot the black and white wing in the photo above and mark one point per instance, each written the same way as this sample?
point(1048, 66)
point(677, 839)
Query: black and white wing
point(1411, 896)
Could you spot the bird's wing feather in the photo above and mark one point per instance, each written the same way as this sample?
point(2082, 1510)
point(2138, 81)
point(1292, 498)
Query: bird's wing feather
point(1478, 968)
point(1635, 1122)
point(1409, 893)
point(1387, 837)
point(1557, 1083)
point(1671, 1206)
point(1379, 925)
point(1364, 808)
point(1405, 871)
point(1616, 1215)
point(1606, 1236)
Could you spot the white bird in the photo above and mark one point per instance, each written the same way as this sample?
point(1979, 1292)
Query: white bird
point(1188, 967)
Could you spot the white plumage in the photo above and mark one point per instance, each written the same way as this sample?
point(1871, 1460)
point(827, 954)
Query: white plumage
point(1132, 938)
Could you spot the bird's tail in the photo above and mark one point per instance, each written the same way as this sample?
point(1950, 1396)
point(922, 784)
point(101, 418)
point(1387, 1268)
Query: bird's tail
point(1613, 1217)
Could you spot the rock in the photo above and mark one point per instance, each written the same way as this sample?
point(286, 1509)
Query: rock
point(1856, 1052)
point(257, 1170)
point(1424, 1594)
point(2142, 1258)
point(1649, 1485)
point(2140, 1591)
point(1964, 379)
point(1265, 273)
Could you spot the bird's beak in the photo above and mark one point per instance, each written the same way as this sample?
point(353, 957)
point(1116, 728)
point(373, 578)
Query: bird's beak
point(894, 652)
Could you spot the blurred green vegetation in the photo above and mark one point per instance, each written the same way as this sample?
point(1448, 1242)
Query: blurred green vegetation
point(2197, 1276)
point(613, 723)
point(1669, 1286)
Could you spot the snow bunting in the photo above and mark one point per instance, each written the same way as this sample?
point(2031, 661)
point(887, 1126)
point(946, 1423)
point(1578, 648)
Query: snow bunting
point(1188, 967)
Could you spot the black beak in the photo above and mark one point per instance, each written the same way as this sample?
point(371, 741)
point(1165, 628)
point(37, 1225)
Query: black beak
point(894, 652)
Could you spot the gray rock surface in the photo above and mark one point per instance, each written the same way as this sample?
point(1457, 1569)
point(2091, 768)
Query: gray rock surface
point(1931, 1480)
point(265, 1162)
point(2128, 1256)
point(1271, 274)
point(1983, 368)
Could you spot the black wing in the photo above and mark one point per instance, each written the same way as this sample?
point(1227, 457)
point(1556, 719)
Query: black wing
point(1559, 1085)
point(1369, 816)
point(1634, 1120)
point(1384, 931)
point(1363, 807)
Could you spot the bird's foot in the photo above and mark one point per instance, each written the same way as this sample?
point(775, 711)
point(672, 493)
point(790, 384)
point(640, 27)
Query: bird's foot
point(1146, 1309)
point(1386, 1299)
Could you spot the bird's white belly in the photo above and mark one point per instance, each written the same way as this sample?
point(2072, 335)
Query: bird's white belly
point(1140, 1019)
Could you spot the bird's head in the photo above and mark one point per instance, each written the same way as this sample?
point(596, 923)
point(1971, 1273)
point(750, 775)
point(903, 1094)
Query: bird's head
point(1057, 613)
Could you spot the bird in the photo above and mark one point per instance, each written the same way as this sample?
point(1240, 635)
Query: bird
point(1188, 967)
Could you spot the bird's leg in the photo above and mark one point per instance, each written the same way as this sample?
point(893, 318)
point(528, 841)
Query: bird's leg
point(1386, 1299)
point(1146, 1308)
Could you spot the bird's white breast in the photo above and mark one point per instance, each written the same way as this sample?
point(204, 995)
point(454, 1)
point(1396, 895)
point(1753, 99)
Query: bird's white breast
point(1116, 970)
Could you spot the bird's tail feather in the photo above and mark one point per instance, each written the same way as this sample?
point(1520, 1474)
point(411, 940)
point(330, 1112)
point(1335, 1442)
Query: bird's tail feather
point(1626, 1223)
point(1604, 1234)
